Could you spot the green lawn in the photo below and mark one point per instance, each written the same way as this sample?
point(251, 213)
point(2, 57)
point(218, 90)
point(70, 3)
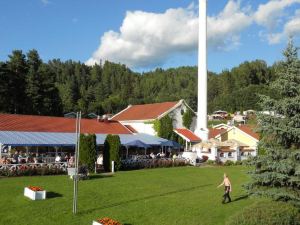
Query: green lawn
point(185, 196)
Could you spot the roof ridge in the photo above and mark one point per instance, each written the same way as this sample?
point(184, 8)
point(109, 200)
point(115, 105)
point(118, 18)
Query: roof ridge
point(155, 103)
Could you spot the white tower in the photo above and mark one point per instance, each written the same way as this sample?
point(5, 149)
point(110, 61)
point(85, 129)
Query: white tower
point(201, 128)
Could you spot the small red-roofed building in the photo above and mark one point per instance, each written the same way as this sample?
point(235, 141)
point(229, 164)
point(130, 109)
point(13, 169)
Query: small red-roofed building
point(190, 137)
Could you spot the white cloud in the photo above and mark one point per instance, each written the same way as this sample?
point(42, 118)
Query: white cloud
point(270, 14)
point(148, 39)
point(45, 2)
point(291, 28)
point(224, 29)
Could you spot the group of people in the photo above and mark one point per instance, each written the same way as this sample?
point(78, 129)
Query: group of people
point(163, 155)
point(15, 158)
point(19, 157)
point(69, 159)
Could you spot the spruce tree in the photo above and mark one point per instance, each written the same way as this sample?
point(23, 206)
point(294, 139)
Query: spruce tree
point(277, 172)
point(34, 83)
point(17, 70)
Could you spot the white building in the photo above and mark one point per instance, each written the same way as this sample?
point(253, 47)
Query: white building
point(140, 118)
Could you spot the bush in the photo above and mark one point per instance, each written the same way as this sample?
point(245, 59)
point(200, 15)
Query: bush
point(87, 152)
point(32, 171)
point(229, 163)
point(210, 162)
point(267, 213)
point(151, 163)
point(204, 158)
point(187, 118)
point(238, 163)
point(112, 147)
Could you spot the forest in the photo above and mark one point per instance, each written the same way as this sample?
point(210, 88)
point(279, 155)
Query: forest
point(30, 86)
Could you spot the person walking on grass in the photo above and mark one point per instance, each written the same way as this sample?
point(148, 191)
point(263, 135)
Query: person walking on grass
point(228, 189)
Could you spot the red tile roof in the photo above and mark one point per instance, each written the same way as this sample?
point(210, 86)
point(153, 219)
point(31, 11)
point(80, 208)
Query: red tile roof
point(215, 132)
point(13, 122)
point(131, 129)
point(249, 131)
point(144, 112)
point(188, 134)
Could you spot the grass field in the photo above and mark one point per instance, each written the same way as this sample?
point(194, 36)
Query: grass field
point(169, 196)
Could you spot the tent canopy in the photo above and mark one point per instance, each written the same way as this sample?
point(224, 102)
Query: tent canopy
point(137, 143)
point(27, 139)
point(173, 144)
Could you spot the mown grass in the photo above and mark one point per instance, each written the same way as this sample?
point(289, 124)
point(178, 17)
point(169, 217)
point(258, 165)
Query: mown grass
point(185, 196)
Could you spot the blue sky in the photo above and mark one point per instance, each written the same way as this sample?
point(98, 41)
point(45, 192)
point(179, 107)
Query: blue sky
point(154, 33)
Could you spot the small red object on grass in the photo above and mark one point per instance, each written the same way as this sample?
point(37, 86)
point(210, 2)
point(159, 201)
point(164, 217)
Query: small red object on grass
point(108, 221)
point(35, 188)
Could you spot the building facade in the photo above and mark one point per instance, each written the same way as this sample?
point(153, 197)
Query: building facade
point(142, 117)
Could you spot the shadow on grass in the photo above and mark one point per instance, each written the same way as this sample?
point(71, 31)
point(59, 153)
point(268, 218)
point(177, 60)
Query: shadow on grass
point(146, 198)
point(52, 194)
point(240, 198)
point(99, 176)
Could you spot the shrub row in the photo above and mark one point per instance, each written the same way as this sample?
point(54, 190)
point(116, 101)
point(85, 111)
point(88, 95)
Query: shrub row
point(29, 171)
point(227, 163)
point(154, 163)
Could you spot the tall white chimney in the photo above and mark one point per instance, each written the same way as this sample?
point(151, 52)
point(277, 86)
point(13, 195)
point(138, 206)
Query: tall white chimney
point(201, 128)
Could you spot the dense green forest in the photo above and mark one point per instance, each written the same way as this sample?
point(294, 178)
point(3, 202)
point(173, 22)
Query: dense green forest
point(30, 86)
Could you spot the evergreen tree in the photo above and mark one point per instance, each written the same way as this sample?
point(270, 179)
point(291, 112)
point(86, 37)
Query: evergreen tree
point(277, 172)
point(4, 88)
point(112, 146)
point(17, 69)
point(51, 102)
point(87, 151)
point(34, 83)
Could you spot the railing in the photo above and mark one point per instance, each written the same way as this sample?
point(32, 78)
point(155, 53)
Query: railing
point(59, 165)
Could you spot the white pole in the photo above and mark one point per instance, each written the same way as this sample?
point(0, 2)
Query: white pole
point(0, 150)
point(75, 176)
point(201, 128)
point(78, 119)
point(112, 166)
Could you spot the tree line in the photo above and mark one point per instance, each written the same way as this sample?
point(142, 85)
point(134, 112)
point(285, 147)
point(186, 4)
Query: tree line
point(30, 86)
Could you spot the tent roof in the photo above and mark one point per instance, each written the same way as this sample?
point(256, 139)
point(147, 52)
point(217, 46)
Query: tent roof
point(137, 143)
point(17, 138)
point(171, 144)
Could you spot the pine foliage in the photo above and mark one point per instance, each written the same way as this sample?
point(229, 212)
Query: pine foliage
point(277, 172)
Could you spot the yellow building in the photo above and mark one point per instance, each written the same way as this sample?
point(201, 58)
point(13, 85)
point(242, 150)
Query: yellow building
point(229, 143)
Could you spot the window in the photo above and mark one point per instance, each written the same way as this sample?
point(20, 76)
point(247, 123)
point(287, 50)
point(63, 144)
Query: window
point(221, 154)
point(209, 150)
point(229, 154)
